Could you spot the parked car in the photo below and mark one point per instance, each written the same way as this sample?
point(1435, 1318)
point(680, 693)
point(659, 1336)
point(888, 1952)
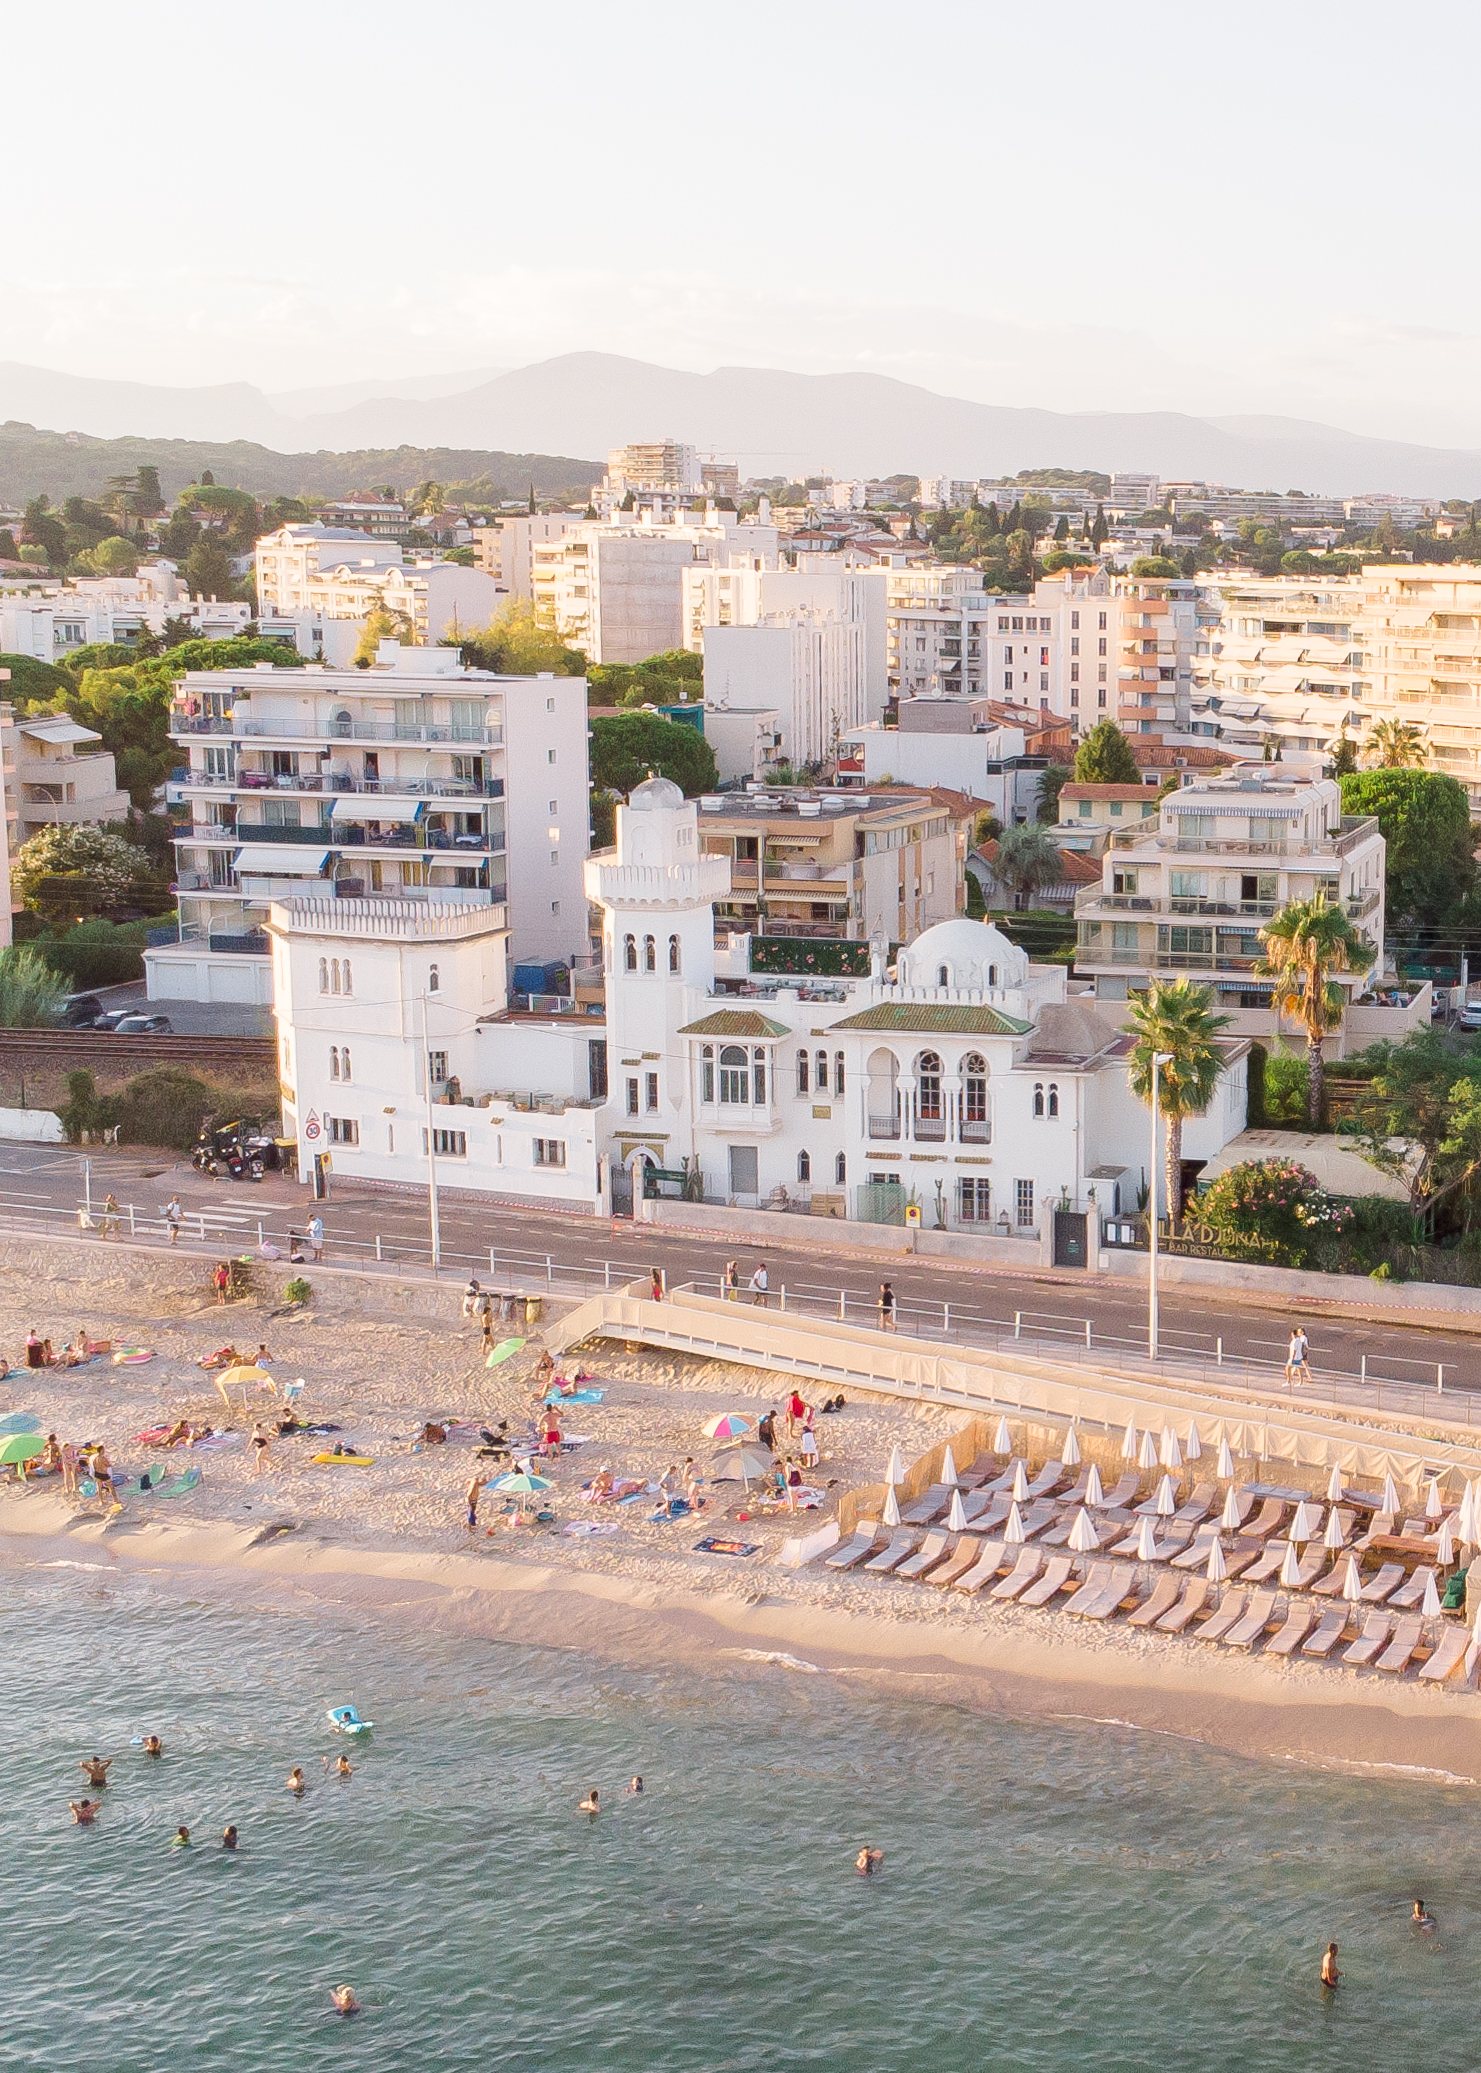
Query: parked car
point(81, 1011)
point(1470, 1015)
point(143, 1025)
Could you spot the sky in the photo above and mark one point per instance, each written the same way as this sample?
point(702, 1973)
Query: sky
point(1264, 209)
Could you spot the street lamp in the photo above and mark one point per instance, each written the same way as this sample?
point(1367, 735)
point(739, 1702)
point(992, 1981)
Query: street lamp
point(432, 1214)
point(1159, 1059)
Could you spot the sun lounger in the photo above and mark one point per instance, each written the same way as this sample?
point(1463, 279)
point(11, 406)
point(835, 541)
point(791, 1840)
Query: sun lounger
point(1118, 1587)
point(1331, 1584)
point(1123, 1493)
point(1272, 1511)
point(1300, 1619)
point(1025, 1569)
point(1195, 1597)
point(1003, 1480)
point(1195, 1555)
point(985, 1514)
point(1246, 1632)
point(1410, 1592)
point(1218, 1624)
point(967, 1551)
point(984, 1569)
point(1383, 1586)
point(1448, 1657)
point(1198, 1507)
point(931, 1551)
point(1038, 1517)
point(1313, 1562)
point(1048, 1478)
point(852, 1551)
point(1331, 1630)
point(1266, 1565)
point(1374, 1637)
point(1163, 1598)
point(1380, 1527)
point(1057, 1573)
point(1095, 1583)
point(1395, 1657)
point(901, 1544)
point(928, 1507)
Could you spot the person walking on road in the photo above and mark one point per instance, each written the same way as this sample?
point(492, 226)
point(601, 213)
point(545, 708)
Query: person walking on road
point(1298, 1367)
point(886, 1307)
point(730, 1282)
point(315, 1235)
point(759, 1286)
point(174, 1218)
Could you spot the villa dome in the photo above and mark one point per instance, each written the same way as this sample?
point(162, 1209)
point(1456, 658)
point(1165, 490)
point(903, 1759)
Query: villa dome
point(964, 956)
point(655, 795)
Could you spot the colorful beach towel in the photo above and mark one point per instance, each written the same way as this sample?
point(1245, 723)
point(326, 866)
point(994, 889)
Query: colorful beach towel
point(713, 1545)
point(577, 1396)
point(132, 1356)
point(179, 1486)
point(505, 1350)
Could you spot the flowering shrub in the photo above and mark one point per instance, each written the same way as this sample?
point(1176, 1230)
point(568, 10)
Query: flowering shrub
point(1273, 1209)
point(807, 955)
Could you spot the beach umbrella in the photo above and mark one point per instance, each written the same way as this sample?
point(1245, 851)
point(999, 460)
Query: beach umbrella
point(891, 1512)
point(1434, 1504)
point(1226, 1462)
point(522, 1482)
point(1218, 1568)
point(1013, 1532)
point(1332, 1538)
point(956, 1518)
point(1128, 1443)
point(1171, 1452)
point(1445, 1550)
point(739, 1463)
point(21, 1446)
point(730, 1425)
point(1290, 1568)
point(1429, 1605)
point(1389, 1502)
point(1334, 1485)
point(1303, 1526)
point(1094, 1494)
point(1352, 1583)
point(1019, 1490)
point(249, 1372)
point(1193, 1445)
point(1229, 1516)
point(1070, 1452)
point(1002, 1439)
point(1146, 1542)
point(1147, 1453)
point(948, 1468)
point(1476, 1630)
point(1466, 1519)
point(895, 1472)
point(1084, 1539)
point(1167, 1498)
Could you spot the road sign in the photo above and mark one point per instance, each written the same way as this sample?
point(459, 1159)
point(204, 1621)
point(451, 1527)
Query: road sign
point(912, 1216)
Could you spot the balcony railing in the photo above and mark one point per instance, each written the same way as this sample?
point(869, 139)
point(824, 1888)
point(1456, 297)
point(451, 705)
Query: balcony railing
point(930, 1130)
point(1135, 903)
point(884, 1126)
point(184, 725)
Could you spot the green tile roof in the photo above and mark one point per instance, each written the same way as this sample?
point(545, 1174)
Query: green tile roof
point(935, 1018)
point(735, 1022)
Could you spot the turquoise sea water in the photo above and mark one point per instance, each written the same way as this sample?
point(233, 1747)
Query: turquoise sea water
point(1054, 1895)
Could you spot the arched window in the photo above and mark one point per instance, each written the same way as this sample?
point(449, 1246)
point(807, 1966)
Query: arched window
point(821, 1076)
point(992, 975)
point(344, 1063)
point(758, 1058)
point(943, 975)
point(840, 1170)
point(345, 975)
point(333, 1062)
point(629, 953)
point(1038, 1098)
point(706, 1070)
point(975, 1128)
point(650, 954)
point(1053, 1101)
point(804, 1166)
point(735, 1081)
point(884, 1097)
point(928, 1087)
point(673, 953)
point(334, 975)
point(838, 1072)
point(802, 1072)
point(323, 975)
point(434, 980)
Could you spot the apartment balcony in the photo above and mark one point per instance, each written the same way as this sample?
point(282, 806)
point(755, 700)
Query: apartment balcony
point(184, 728)
point(929, 1130)
point(884, 1127)
point(1119, 903)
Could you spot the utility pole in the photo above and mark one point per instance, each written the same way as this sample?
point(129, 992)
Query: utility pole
point(1159, 1059)
point(432, 1217)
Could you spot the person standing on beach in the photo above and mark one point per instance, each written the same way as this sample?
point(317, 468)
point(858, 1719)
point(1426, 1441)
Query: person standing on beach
point(766, 1431)
point(1330, 1975)
point(221, 1280)
point(759, 1286)
point(487, 1321)
point(261, 1441)
point(471, 1496)
point(886, 1307)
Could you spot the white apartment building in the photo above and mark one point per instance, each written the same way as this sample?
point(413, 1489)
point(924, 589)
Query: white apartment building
point(506, 549)
point(55, 778)
point(414, 780)
point(287, 560)
point(654, 464)
point(805, 671)
point(1283, 662)
point(616, 591)
point(1421, 643)
point(1186, 892)
point(821, 588)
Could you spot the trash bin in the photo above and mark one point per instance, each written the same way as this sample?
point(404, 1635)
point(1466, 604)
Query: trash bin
point(506, 1309)
point(533, 1306)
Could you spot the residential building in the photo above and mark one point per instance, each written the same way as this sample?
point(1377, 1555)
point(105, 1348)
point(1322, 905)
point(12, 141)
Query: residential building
point(506, 549)
point(9, 817)
point(807, 670)
point(989, 751)
point(433, 598)
point(1187, 890)
point(1282, 663)
point(1133, 492)
point(55, 779)
point(366, 512)
point(616, 591)
point(52, 620)
point(413, 780)
point(286, 560)
point(654, 464)
point(721, 479)
point(1078, 870)
point(750, 590)
point(1097, 812)
point(1421, 647)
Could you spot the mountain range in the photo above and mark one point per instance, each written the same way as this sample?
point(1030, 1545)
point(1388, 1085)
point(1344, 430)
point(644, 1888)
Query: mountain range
point(770, 421)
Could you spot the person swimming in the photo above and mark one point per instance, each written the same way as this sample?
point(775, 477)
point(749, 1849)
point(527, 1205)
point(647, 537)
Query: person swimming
point(1330, 1975)
point(868, 1861)
point(153, 1746)
point(344, 2001)
point(636, 1785)
point(591, 1804)
point(342, 1767)
point(85, 1811)
point(97, 1770)
point(180, 1840)
point(1421, 1917)
point(229, 1837)
point(297, 1783)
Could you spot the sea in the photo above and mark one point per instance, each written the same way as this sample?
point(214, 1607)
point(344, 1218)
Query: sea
point(1053, 1894)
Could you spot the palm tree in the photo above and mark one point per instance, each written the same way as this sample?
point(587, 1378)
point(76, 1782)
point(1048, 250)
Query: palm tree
point(1396, 744)
point(1172, 1017)
point(1305, 944)
point(1027, 858)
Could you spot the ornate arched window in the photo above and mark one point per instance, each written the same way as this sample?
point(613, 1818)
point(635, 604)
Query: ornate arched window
point(673, 953)
point(884, 1095)
point(344, 1063)
point(758, 1074)
point(928, 1087)
point(943, 975)
point(334, 975)
point(804, 1166)
point(345, 975)
point(1038, 1097)
point(650, 954)
point(1053, 1100)
point(735, 1080)
point(802, 1072)
point(838, 1072)
point(630, 953)
point(434, 980)
point(820, 1077)
point(840, 1170)
point(975, 1127)
point(333, 1062)
point(323, 975)
point(706, 1071)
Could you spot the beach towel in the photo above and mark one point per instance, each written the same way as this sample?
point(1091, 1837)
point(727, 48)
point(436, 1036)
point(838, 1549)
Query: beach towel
point(19, 1421)
point(585, 1528)
point(345, 1460)
point(221, 1439)
point(132, 1356)
point(577, 1396)
point(181, 1485)
point(713, 1545)
point(505, 1349)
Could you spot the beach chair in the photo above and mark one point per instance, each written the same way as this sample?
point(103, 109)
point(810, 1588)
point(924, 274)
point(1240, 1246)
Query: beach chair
point(1300, 1620)
point(1374, 1637)
point(1218, 1624)
point(1048, 1478)
point(1092, 1588)
point(1272, 1511)
point(1123, 1493)
point(1057, 1572)
point(1198, 1507)
point(931, 1551)
point(1244, 1504)
point(984, 1569)
point(1331, 1584)
point(1266, 1565)
point(958, 1562)
point(1330, 1631)
point(1117, 1591)
point(1195, 1597)
point(927, 1509)
point(1164, 1597)
point(1380, 1527)
point(1246, 1632)
point(1383, 1586)
point(1195, 1555)
point(1411, 1591)
point(1022, 1574)
point(1076, 1492)
point(1395, 1657)
point(995, 1484)
point(852, 1551)
point(1038, 1518)
point(901, 1544)
point(985, 1513)
point(1448, 1657)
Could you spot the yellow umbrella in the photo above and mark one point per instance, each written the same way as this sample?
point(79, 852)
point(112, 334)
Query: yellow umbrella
point(250, 1373)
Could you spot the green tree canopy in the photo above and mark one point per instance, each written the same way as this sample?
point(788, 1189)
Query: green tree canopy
point(626, 748)
point(1305, 944)
point(1104, 757)
point(1425, 820)
point(1052, 782)
point(31, 993)
point(1173, 1018)
point(208, 569)
point(518, 642)
point(68, 871)
point(1027, 858)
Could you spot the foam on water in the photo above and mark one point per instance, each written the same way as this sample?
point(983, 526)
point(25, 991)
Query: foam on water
point(1054, 1894)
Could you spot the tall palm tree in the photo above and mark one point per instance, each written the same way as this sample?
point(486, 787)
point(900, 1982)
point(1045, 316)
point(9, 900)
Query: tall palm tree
point(1305, 944)
point(1027, 858)
point(1173, 1017)
point(1396, 744)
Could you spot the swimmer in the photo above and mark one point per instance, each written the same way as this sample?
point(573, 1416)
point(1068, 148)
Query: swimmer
point(342, 1767)
point(153, 1746)
point(1330, 1974)
point(344, 2001)
point(229, 1837)
point(297, 1784)
point(591, 1804)
point(85, 1811)
point(1421, 1918)
point(636, 1786)
point(180, 1840)
point(868, 1861)
point(97, 1770)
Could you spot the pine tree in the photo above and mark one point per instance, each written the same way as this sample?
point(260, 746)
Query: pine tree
point(1100, 531)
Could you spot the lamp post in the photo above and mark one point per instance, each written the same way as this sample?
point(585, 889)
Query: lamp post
point(1159, 1059)
point(431, 1149)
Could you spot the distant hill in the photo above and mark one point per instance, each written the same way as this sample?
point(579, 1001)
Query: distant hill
point(67, 464)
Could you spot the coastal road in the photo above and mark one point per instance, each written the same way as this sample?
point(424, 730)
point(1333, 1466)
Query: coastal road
point(1053, 1309)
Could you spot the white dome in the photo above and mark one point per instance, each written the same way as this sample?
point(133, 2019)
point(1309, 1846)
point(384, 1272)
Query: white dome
point(655, 795)
point(974, 956)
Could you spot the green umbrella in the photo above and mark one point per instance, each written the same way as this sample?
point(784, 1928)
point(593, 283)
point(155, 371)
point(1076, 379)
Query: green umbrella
point(21, 1446)
point(523, 1483)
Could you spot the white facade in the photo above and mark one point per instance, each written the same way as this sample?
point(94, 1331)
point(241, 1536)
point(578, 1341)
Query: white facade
point(287, 560)
point(742, 594)
point(616, 591)
point(52, 783)
point(1282, 662)
point(654, 464)
point(506, 549)
point(808, 669)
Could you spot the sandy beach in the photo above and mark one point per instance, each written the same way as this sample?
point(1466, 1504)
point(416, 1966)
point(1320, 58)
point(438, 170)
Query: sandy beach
point(390, 1540)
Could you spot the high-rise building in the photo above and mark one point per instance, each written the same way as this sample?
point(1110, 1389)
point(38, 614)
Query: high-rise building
point(654, 464)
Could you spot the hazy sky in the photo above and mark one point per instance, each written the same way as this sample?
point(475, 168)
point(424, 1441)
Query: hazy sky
point(1262, 208)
